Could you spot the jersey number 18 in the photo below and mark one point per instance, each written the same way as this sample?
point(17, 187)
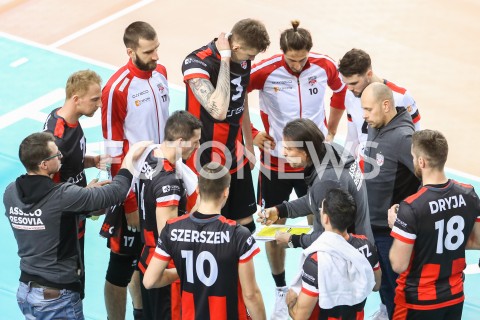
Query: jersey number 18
point(454, 237)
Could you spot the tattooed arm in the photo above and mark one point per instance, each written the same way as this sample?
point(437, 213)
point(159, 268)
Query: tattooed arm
point(215, 100)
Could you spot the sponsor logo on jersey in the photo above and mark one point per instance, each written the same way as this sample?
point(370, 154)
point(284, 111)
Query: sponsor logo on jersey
point(307, 276)
point(312, 80)
point(139, 94)
point(169, 188)
point(244, 64)
point(380, 159)
point(281, 82)
point(190, 60)
point(277, 89)
point(400, 222)
point(139, 102)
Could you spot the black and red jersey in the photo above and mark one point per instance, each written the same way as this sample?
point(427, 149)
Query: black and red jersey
point(310, 281)
point(71, 142)
point(159, 187)
point(205, 63)
point(207, 251)
point(437, 221)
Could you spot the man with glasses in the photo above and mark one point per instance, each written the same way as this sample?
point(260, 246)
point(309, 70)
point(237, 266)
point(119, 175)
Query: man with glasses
point(43, 216)
point(83, 93)
point(58, 155)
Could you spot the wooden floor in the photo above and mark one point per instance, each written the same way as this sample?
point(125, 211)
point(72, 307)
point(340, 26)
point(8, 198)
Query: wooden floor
point(429, 47)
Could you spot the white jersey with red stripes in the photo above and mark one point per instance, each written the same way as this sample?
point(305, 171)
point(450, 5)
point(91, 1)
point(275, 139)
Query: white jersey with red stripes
point(357, 134)
point(135, 107)
point(285, 96)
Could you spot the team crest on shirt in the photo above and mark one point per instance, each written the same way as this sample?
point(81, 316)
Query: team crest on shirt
point(409, 109)
point(380, 159)
point(312, 80)
point(244, 64)
point(160, 87)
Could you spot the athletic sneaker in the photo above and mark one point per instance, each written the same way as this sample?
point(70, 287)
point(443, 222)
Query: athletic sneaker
point(280, 310)
point(381, 313)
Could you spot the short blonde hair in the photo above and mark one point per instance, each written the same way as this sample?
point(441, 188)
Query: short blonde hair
point(79, 82)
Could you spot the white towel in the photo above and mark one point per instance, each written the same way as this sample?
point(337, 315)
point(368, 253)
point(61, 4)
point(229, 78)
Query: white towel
point(345, 277)
point(182, 171)
point(190, 179)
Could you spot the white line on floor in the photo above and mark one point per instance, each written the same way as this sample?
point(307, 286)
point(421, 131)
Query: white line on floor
point(100, 23)
point(18, 62)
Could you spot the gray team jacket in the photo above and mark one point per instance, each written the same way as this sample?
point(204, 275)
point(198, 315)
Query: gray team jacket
point(389, 172)
point(43, 215)
point(337, 169)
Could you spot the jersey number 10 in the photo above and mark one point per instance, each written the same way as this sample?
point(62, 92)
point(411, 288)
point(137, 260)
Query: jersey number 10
point(199, 267)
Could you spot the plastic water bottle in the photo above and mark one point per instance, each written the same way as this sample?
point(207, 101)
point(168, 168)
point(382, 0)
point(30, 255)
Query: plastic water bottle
point(106, 174)
point(102, 175)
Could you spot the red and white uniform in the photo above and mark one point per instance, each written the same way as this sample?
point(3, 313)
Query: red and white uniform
point(357, 127)
point(135, 108)
point(285, 95)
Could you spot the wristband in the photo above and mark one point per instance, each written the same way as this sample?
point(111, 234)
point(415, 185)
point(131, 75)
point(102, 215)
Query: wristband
point(290, 243)
point(225, 53)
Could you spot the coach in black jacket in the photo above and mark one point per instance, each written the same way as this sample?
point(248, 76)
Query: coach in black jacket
point(43, 218)
point(389, 172)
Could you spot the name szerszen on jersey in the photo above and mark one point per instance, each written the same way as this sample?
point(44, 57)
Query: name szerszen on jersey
point(187, 235)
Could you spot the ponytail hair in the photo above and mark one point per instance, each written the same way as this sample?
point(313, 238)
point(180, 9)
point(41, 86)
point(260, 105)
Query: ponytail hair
point(295, 38)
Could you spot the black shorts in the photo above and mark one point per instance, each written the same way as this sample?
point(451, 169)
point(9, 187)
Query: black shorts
point(274, 191)
point(161, 303)
point(446, 313)
point(241, 200)
point(120, 239)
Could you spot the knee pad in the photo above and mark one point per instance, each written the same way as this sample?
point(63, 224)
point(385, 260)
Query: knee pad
point(251, 226)
point(120, 269)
